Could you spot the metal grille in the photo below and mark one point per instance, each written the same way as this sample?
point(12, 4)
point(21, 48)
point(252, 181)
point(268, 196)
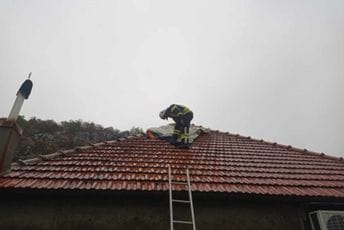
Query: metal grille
point(335, 222)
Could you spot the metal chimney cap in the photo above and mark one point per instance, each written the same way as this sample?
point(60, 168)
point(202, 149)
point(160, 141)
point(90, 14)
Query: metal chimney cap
point(25, 89)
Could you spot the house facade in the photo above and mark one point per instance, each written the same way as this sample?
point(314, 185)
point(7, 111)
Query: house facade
point(237, 183)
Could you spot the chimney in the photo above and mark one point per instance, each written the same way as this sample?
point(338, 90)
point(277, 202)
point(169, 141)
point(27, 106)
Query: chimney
point(10, 132)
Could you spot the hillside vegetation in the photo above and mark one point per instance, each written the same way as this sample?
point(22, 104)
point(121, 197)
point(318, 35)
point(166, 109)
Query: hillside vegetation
point(47, 136)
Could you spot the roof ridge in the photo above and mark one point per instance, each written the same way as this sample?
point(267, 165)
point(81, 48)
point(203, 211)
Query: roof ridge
point(67, 152)
point(288, 147)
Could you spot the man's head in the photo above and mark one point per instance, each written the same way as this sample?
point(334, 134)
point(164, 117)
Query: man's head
point(162, 114)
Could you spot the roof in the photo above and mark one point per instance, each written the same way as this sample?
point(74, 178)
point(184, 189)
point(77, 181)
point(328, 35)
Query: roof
point(218, 162)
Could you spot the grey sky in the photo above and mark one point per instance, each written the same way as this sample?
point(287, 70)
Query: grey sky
point(270, 69)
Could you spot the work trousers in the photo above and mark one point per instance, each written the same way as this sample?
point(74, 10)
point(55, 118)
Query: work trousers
point(181, 130)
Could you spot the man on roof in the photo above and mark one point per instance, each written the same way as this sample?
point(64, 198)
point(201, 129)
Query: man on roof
point(182, 115)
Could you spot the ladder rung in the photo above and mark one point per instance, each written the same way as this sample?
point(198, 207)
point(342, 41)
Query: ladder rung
point(181, 201)
point(182, 222)
point(177, 182)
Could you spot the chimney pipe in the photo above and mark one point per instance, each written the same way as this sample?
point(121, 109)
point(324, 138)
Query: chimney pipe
point(10, 132)
point(22, 94)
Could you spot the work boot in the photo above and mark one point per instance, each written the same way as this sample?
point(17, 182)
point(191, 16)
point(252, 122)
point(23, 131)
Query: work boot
point(183, 146)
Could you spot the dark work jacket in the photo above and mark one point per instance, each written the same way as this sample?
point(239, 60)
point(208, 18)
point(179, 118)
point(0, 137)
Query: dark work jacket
point(179, 113)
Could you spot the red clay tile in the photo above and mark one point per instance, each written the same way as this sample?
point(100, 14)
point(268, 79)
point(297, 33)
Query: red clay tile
point(218, 162)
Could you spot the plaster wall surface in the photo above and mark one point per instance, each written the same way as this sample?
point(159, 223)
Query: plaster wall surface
point(140, 213)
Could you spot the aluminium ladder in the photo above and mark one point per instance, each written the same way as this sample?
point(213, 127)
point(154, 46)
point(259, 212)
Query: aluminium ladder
point(189, 201)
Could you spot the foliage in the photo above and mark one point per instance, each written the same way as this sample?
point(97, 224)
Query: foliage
point(135, 130)
point(47, 136)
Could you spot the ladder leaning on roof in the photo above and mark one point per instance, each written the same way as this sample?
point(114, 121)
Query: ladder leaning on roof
point(189, 201)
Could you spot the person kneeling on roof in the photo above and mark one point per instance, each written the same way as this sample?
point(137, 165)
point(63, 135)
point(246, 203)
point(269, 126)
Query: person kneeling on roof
point(182, 116)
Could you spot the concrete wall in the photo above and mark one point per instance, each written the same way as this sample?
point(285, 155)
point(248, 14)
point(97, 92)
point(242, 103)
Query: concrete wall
point(138, 212)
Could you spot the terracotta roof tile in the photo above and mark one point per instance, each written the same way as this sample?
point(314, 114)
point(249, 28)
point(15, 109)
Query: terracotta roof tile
point(218, 162)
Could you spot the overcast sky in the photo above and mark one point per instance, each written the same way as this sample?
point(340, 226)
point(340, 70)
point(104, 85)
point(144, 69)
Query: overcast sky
point(270, 69)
